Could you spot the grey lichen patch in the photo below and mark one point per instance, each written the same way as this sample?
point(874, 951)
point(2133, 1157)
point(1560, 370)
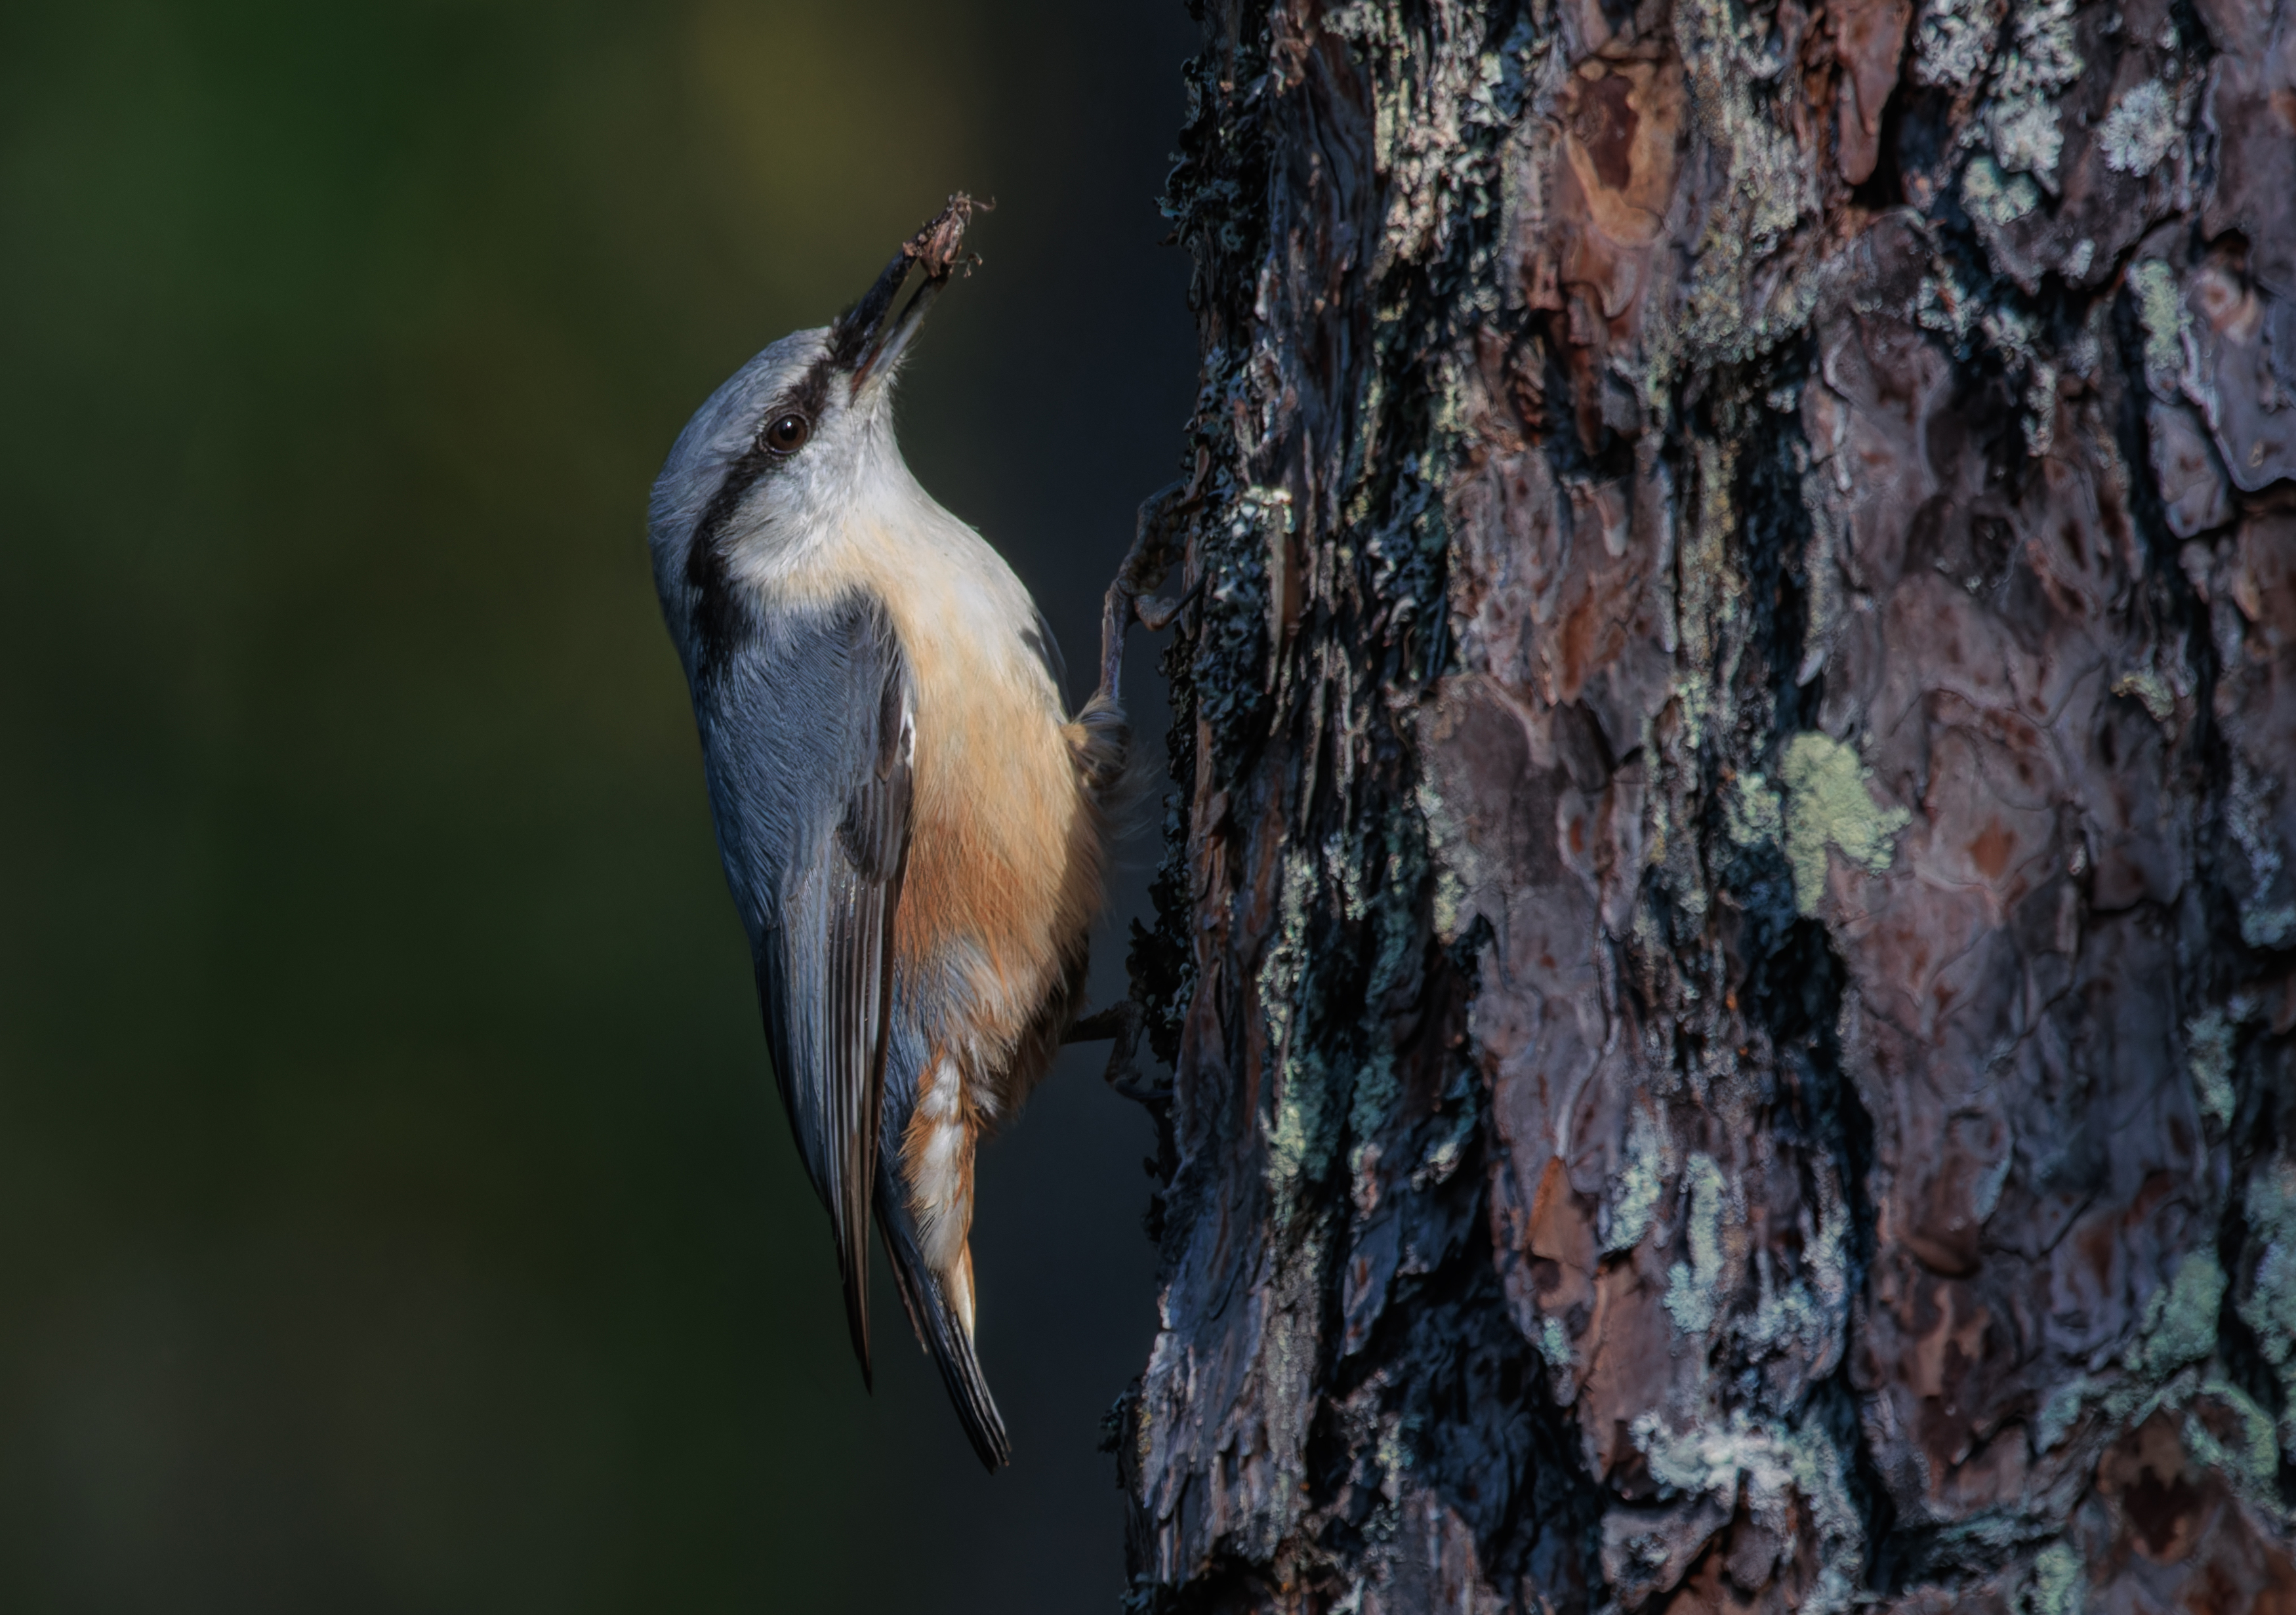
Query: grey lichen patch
point(2249, 816)
point(1952, 43)
point(1945, 304)
point(2040, 413)
point(1830, 803)
point(2269, 1309)
point(1995, 198)
point(2057, 1587)
point(2023, 121)
point(1634, 1192)
point(2180, 1320)
point(1691, 1299)
point(2026, 138)
point(2208, 1056)
point(1735, 303)
point(2268, 926)
point(2141, 130)
point(1793, 1486)
point(1445, 1151)
point(2008, 331)
point(1434, 130)
point(1808, 1314)
point(1304, 1130)
point(1402, 864)
point(1710, 606)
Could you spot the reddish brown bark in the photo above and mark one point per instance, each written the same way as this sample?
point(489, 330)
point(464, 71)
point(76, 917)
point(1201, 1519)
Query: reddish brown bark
point(1726, 937)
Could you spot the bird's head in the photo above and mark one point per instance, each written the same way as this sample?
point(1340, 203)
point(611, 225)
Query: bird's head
point(801, 436)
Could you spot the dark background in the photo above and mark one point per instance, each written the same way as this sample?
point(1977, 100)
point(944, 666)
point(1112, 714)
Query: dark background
point(395, 1212)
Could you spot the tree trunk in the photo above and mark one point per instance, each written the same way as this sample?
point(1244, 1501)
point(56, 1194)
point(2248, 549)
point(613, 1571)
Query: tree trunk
point(1726, 934)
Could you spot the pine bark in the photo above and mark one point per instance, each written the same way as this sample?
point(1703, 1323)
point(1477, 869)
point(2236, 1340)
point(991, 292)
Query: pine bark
point(1725, 936)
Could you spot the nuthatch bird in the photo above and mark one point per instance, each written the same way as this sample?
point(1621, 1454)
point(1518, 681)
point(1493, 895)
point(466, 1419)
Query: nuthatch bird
point(912, 823)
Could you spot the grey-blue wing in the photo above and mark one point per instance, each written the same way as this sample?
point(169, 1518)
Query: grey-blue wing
point(807, 736)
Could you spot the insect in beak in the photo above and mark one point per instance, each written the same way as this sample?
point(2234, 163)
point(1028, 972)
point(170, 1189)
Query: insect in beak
point(869, 337)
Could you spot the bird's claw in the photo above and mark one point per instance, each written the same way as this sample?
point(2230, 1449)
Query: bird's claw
point(1145, 565)
point(1119, 1020)
point(1157, 613)
point(1121, 1024)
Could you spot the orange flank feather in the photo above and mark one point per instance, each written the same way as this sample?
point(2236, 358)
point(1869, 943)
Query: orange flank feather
point(1004, 858)
point(1002, 882)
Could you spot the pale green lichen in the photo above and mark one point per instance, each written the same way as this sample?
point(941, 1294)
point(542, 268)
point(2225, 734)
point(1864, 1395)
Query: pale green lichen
point(2257, 1463)
point(2269, 1309)
point(1452, 894)
point(1708, 605)
point(2180, 1319)
point(2249, 816)
point(1830, 803)
point(2140, 129)
point(2058, 1582)
point(2268, 925)
point(1303, 1132)
point(2150, 691)
point(1753, 813)
point(1995, 198)
point(2208, 1054)
point(2162, 311)
point(1554, 1344)
point(1636, 1190)
point(1690, 1292)
point(2061, 1412)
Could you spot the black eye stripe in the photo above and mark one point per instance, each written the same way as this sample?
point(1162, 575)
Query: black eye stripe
point(720, 617)
point(804, 399)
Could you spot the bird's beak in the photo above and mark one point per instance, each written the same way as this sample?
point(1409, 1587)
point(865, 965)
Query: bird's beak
point(868, 338)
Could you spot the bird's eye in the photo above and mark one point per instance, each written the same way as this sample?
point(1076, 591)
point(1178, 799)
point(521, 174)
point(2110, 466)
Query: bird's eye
point(788, 434)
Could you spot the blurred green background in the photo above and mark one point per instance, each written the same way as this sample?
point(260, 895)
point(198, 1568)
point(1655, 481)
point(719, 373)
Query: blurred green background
point(395, 1212)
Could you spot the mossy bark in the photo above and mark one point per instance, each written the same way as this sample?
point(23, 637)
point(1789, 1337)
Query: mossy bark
point(1725, 942)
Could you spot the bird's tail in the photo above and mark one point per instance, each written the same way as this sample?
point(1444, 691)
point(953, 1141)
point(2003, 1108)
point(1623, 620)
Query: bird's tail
point(943, 1322)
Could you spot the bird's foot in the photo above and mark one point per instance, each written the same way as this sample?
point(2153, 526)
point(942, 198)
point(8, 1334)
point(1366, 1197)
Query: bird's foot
point(1146, 564)
point(1120, 1020)
point(1156, 613)
point(1121, 1024)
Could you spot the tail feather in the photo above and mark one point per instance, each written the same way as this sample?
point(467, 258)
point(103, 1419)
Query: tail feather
point(942, 1329)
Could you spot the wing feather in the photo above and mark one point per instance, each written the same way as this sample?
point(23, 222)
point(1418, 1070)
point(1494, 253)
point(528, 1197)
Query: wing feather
point(925, 1298)
point(810, 749)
